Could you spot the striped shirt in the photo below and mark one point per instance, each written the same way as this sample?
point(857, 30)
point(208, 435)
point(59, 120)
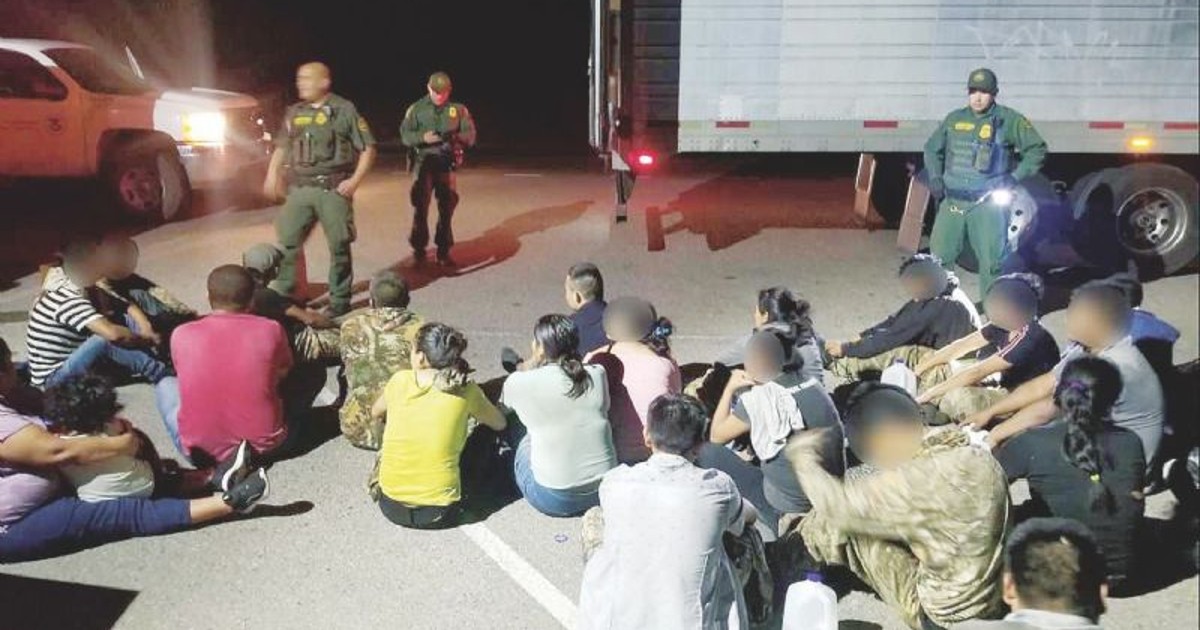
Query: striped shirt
point(57, 327)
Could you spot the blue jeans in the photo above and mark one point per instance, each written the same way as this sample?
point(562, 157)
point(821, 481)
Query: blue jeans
point(549, 501)
point(166, 398)
point(68, 524)
point(96, 349)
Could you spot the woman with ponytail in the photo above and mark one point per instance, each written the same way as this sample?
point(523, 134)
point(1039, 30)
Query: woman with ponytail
point(639, 367)
point(1086, 468)
point(789, 316)
point(564, 406)
point(427, 409)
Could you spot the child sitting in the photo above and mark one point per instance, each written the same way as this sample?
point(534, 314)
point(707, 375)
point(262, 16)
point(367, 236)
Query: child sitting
point(87, 406)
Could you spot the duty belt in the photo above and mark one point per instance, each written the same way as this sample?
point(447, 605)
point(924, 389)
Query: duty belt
point(324, 182)
point(965, 195)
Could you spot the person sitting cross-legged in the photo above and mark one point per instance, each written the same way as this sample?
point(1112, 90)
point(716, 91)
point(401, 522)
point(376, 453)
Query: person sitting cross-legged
point(376, 343)
point(230, 365)
point(563, 405)
point(39, 518)
point(314, 335)
point(936, 314)
point(654, 546)
point(424, 456)
point(924, 527)
point(1053, 578)
point(1086, 468)
point(68, 337)
point(1013, 346)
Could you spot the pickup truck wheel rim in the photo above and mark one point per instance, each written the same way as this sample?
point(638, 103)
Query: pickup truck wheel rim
point(141, 189)
point(1151, 221)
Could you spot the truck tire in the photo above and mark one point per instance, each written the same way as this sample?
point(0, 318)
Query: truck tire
point(1142, 213)
point(148, 183)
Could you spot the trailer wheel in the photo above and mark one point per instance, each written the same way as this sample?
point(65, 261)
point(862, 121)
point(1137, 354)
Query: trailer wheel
point(1145, 213)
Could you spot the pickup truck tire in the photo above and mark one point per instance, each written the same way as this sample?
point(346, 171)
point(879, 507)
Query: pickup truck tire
point(148, 184)
point(1141, 213)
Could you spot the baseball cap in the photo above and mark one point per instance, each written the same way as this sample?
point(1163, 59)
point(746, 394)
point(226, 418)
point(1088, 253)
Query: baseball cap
point(262, 258)
point(440, 82)
point(983, 79)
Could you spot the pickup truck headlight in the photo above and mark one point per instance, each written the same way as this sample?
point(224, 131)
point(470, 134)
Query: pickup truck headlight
point(204, 128)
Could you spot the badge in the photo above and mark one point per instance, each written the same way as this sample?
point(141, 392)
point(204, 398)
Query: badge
point(321, 118)
point(979, 77)
point(362, 124)
point(964, 126)
point(985, 132)
point(453, 112)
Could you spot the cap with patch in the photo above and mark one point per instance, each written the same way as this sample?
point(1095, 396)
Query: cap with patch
point(983, 79)
point(440, 82)
point(262, 258)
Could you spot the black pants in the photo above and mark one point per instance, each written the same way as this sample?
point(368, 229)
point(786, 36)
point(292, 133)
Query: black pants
point(434, 175)
point(424, 517)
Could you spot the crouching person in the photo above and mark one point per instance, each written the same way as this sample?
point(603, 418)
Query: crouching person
point(926, 528)
point(660, 562)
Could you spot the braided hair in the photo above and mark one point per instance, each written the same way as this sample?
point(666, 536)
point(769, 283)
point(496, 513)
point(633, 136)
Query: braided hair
point(1086, 393)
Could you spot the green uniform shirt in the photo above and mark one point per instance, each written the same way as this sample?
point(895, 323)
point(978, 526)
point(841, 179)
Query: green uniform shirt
point(424, 116)
point(323, 140)
point(968, 151)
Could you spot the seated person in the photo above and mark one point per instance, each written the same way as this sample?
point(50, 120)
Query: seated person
point(563, 405)
point(313, 335)
point(230, 365)
point(585, 296)
point(1098, 324)
point(1013, 345)
point(38, 519)
point(67, 336)
point(1085, 468)
point(1153, 336)
point(1053, 578)
point(376, 343)
point(87, 406)
point(780, 311)
point(122, 280)
point(770, 403)
point(937, 314)
point(427, 410)
point(660, 562)
point(639, 368)
point(926, 529)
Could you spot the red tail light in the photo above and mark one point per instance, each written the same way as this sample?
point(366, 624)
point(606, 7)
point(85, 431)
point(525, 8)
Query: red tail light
point(644, 159)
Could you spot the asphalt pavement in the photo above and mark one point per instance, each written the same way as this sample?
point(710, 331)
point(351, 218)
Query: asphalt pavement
point(323, 556)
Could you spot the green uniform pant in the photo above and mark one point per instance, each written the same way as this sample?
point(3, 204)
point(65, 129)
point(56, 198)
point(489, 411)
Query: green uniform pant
point(984, 225)
point(305, 206)
point(851, 369)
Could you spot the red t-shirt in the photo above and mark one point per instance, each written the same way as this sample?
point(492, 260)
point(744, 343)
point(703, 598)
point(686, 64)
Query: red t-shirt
point(229, 366)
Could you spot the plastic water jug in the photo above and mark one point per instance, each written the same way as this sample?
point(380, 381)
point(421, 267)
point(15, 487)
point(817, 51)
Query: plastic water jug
point(810, 605)
point(899, 374)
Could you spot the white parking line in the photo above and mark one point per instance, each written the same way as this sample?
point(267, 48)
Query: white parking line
point(528, 578)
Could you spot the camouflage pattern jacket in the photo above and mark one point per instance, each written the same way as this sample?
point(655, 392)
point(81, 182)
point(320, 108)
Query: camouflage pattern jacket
point(375, 344)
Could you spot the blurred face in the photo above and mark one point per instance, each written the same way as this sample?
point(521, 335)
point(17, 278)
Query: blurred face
point(1085, 325)
point(891, 444)
point(439, 98)
point(312, 82)
point(915, 288)
point(1003, 314)
point(759, 368)
point(980, 101)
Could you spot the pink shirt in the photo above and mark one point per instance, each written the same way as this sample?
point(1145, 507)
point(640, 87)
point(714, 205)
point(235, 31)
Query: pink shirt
point(229, 366)
point(635, 379)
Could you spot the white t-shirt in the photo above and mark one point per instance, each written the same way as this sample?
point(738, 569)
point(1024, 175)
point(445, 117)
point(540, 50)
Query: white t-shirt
point(662, 563)
point(119, 477)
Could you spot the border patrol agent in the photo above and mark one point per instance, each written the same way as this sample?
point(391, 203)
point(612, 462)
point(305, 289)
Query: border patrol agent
point(977, 149)
point(436, 130)
point(328, 149)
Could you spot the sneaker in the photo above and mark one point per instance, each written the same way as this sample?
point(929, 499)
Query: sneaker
point(245, 496)
point(510, 360)
point(233, 470)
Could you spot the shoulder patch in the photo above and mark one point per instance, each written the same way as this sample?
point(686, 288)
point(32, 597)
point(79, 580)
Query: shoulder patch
point(408, 112)
point(362, 124)
point(1025, 124)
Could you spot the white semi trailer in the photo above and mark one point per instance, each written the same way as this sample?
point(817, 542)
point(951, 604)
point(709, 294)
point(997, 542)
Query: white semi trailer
point(1112, 83)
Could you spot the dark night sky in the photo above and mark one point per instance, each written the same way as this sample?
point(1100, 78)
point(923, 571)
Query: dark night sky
point(520, 66)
